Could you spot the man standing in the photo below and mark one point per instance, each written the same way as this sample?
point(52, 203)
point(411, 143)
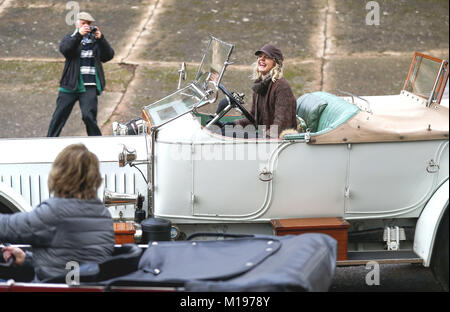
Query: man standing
point(83, 78)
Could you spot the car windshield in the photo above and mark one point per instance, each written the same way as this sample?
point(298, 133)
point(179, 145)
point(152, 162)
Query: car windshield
point(174, 105)
point(213, 62)
point(423, 76)
point(197, 93)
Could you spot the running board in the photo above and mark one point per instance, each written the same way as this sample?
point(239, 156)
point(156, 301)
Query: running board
point(381, 257)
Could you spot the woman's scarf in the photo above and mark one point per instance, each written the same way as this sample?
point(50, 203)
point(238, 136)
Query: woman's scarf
point(260, 85)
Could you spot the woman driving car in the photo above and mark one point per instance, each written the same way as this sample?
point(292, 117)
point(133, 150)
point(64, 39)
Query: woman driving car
point(273, 102)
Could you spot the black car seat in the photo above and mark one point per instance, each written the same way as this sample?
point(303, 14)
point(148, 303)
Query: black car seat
point(124, 260)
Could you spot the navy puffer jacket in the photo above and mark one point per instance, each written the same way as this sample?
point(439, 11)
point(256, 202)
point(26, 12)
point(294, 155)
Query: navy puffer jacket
point(61, 230)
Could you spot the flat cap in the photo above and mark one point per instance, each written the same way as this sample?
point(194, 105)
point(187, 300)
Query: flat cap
point(85, 16)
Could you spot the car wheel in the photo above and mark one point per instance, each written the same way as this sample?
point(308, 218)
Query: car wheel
point(439, 260)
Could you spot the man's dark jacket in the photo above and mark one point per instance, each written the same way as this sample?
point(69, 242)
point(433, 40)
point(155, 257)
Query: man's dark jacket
point(61, 230)
point(70, 47)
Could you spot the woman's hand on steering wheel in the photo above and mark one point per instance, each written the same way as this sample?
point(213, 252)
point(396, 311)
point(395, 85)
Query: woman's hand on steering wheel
point(238, 104)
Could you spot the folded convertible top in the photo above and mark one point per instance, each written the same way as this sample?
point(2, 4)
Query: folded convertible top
point(260, 263)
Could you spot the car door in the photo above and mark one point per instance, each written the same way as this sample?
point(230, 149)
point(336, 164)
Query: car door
point(392, 179)
point(225, 179)
point(309, 181)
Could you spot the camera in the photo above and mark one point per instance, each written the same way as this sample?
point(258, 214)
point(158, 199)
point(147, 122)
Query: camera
point(93, 31)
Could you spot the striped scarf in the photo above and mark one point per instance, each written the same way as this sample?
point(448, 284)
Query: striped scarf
point(87, 62)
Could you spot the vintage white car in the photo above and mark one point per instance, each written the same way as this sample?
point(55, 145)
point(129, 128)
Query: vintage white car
point(371, 171)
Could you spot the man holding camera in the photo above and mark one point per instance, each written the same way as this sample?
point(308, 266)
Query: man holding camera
point(83, 78)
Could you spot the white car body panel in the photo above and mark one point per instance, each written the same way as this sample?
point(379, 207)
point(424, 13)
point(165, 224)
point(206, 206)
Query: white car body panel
point(391, 180)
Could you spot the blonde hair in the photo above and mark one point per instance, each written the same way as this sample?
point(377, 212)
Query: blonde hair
point(276, 72)
point(75, 173)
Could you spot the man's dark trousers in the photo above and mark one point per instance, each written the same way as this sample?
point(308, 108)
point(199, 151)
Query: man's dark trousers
point(64, 104)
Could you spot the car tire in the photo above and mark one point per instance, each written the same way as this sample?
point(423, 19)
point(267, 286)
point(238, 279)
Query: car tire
point(439, 260)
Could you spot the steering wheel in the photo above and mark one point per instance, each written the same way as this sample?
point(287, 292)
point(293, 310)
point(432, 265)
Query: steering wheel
point(236, 101)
